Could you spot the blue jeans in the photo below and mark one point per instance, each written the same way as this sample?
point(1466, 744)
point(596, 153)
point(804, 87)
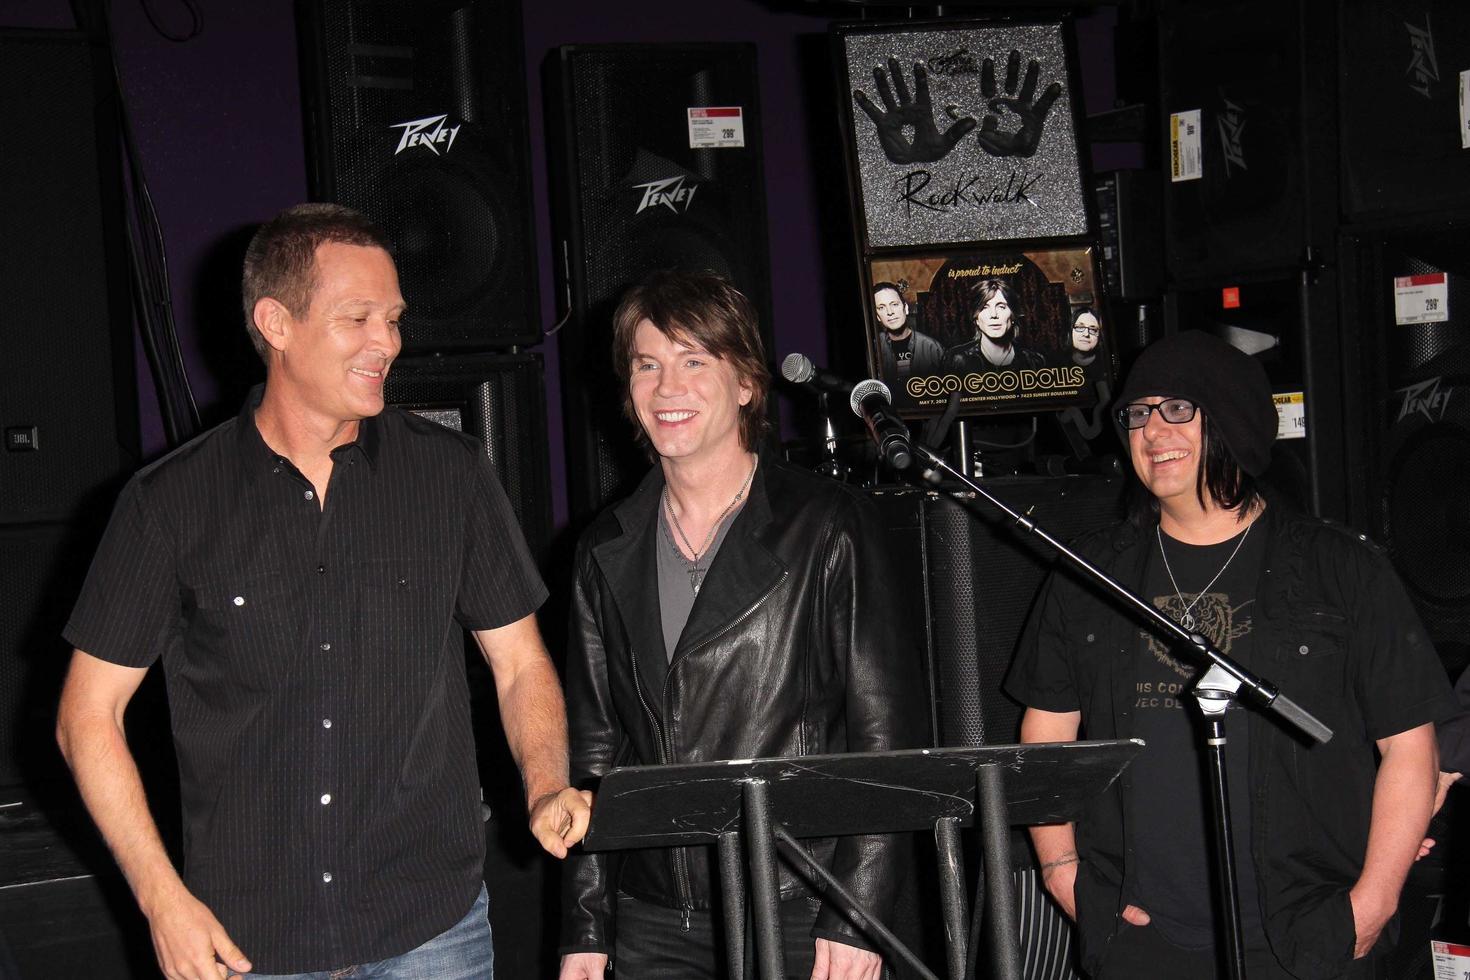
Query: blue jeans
point(461, 952)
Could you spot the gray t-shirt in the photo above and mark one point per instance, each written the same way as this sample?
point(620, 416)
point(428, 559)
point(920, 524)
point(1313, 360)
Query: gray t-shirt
point(675, 593)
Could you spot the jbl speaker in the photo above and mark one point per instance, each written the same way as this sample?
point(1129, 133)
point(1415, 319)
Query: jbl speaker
point(68, 395)
point(501, 400)
point(415, 114)
point(655, 153)
point(1403, 122)
point(1249, 128)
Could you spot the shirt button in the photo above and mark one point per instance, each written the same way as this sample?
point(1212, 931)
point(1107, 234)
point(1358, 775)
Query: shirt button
point(326, 798)
point(326, 723)
point(327, 877)
point(326, 647)
point(239, 600)
point(309, 495)
point(1302, 649)
point(321, 569)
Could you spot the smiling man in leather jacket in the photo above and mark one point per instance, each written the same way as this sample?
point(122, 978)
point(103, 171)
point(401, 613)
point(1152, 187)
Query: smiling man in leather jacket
point(732, 607)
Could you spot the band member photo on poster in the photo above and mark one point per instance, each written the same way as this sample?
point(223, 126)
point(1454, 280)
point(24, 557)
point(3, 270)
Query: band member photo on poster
point(1009, 331)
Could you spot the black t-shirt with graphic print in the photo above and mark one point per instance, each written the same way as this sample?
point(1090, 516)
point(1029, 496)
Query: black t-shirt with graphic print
point(903, 353)
point(1172, 825)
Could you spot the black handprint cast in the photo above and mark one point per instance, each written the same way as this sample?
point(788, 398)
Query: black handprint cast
point(1023, 142)
point(916, 113)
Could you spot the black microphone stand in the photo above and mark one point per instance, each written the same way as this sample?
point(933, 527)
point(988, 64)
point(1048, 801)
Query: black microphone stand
point(1221, 684)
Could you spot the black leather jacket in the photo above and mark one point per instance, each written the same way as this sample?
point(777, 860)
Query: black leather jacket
point(794, 647)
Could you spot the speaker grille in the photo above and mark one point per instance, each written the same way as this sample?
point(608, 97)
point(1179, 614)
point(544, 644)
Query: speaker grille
point(416, 115)
point(501, 400)
point(1399, 69)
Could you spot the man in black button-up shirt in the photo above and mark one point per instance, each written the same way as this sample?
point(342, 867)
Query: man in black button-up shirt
point(304, 571)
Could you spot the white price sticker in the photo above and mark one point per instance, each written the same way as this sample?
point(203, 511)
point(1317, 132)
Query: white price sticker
point(1421, 299)
point(1185, 159)
point(716, 127)
point(1291, 414)
point(1451, 961)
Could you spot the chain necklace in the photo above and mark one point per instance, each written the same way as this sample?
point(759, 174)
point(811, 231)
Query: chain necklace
point(695, 570)
point(1187, 619)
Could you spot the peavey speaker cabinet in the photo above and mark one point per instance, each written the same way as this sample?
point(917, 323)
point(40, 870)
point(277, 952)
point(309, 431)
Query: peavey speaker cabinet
point(655, 153)
point(415, 113)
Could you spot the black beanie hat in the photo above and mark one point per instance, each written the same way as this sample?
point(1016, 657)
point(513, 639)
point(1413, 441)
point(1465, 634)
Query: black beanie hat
point(1228, 384)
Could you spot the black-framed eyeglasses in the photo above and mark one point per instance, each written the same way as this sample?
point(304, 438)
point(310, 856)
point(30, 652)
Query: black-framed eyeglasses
point(1084, 328)
point(1175, 411)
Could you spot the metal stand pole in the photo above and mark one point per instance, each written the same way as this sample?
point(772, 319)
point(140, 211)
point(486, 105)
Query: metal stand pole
point(1215, 692)
point(952, 894)
point(732, 890)
point(766, 894)
point(993, 821)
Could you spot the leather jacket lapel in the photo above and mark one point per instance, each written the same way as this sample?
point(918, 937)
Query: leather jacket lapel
point(628, 564)
point(744, 570)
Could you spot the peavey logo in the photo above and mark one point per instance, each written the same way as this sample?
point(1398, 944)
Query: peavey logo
point(428, 132)
point(1232, 126)
point(1424, 398)
point(671, 193)
point(1423, 69)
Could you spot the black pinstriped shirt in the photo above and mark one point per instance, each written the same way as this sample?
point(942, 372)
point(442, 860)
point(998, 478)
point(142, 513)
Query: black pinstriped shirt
point(315, 668)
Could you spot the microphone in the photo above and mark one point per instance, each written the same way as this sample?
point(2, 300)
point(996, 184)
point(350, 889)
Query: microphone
point(872, 403)
point(799, 369)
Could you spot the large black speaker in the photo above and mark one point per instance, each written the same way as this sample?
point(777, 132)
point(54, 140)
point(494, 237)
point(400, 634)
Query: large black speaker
point(645, 176)
point(501, 400)
point(68, 395)
point(1249, 129)
point(1416, 381)
point(415, 113)
point(978, 579)
point(1403, 141)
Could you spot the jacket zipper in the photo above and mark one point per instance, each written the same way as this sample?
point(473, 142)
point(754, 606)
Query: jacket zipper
point(681, 855)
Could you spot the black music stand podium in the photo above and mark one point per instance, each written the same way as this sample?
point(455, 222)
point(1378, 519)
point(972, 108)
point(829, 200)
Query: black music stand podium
point(772, 803)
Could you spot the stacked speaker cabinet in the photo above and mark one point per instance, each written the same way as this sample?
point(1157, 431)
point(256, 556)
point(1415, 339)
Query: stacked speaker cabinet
point(1248, 119)
point(656, 162)
point(68, 396)
point(415, 113)
point(1404, 111)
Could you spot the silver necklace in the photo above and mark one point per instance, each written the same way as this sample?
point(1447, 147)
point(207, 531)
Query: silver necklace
point(695, 570)
point(1187, 619)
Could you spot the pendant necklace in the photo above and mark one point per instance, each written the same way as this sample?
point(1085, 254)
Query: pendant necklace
point(694, 568)
point(1187, 619)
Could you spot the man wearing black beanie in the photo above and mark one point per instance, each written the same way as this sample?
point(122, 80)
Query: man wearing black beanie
point(1324, 834)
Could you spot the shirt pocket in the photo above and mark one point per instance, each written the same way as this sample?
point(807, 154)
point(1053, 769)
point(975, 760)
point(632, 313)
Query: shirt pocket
point(403, 615)
point(246, 632)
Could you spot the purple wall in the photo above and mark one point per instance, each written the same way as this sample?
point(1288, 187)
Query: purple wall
point(218, 126)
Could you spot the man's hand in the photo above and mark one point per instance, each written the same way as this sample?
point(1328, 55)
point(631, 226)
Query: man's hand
point(187, 938)
point(559, 820)
point(1059, 877)
point(1135, 916)
point(1023, 142)
point(839, 961)
point(583, 966)
point(1371, 913)
point(915, 113)
point(1446, 780)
